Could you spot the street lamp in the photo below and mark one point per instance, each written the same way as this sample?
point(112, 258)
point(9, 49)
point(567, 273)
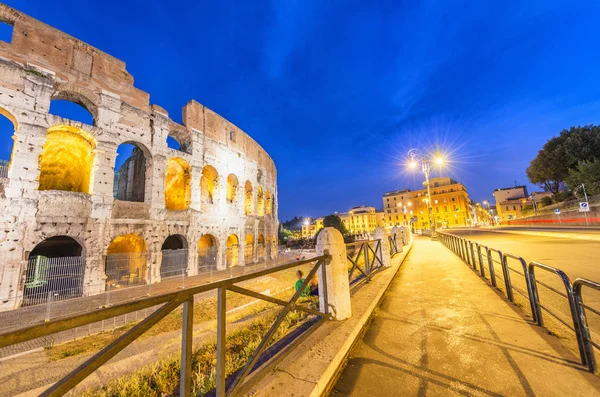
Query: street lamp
point(417, 158)
point(485, 202)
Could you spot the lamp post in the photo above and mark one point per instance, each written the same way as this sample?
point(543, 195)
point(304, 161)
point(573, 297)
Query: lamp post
point(485, 202)
point(417, 158)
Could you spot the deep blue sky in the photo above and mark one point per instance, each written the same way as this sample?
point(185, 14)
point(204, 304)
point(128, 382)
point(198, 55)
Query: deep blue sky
point(338, 91)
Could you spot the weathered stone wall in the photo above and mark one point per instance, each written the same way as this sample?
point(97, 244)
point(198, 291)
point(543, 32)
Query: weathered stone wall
point(42, 64)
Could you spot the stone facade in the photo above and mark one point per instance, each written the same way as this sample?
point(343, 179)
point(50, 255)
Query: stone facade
point(42, 64)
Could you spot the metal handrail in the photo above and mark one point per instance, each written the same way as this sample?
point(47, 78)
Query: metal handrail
point(460, 246)
point(572, 305)
point(172, 301)
point(372, 263)
point(588, 343)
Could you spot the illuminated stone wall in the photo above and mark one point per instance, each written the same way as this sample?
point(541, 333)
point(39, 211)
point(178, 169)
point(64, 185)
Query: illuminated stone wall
point(61, 181)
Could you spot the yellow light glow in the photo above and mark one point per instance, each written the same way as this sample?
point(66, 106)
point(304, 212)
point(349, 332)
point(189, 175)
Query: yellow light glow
point(177, 184)
point(208, 184)
point(67, 159)
point(260, 202)
point(412, 164)
point(439, 160)
point(232, 252)
point(269, 203)
point(232, 185)
point(248, 198)
point(130, 244)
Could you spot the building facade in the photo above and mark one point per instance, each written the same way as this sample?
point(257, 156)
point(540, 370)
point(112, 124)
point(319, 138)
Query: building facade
point(361, 220)
point(510, 201)
point(449, 201)
point(66, 209)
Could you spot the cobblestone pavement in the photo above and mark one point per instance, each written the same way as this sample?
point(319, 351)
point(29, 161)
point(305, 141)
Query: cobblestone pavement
point(21, 318)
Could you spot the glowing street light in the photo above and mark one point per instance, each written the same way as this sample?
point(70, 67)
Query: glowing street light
point(418, 158)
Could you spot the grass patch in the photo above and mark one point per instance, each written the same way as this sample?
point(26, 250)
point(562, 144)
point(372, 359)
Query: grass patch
point(162, 378)
point(205, 311)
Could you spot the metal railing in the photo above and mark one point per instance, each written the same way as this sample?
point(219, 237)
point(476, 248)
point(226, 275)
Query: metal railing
point(126, 269)
point(170, 302)
point(3, 171)
point(174, 263)
point(393, 241)
point(472, 254)
point(53, 279)
point(364, 260)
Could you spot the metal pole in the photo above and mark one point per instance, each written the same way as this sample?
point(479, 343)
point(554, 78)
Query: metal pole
point(108, 296)
point(49, 302)
point(182, 278)
point(185, 373)
point(221, 340)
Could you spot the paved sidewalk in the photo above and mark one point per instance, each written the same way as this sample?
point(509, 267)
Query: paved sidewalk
point(441, 330)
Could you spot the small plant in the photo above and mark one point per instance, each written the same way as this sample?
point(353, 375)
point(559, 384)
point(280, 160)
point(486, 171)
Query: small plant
point(35, 72)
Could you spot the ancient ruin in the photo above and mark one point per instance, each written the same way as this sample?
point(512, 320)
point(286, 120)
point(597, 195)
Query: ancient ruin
point(73, 222)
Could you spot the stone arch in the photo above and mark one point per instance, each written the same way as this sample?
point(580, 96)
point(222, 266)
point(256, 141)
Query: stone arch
point(82, 97)
point(260, 201)
point(249, 249)
point(182, 136)
point(207, 253)
point(55, 270)
point(232, 251)
point(232, 187)
point(67, 160)
point(208, 184)
point(248, 198)
point(178, 177)
point(12, 119)
point(261, 249)
point(126, 261)
point(268, 203)
point(174, 256)
point(131, 172)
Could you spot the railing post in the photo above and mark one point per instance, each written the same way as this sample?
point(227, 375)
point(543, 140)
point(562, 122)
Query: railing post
point(221, 340)
point(535, 303)
point(185, 373)
point(366, 259)
point(334, 274)
point(589, 358)
point(481, 270)
point(491, 266)
point(48, 304)
point(507, 283)
point(473, 260)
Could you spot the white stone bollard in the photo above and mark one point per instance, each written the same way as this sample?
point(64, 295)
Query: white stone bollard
point(406, 235)
point(330, 241)
point(381, 234)
point(397, 237)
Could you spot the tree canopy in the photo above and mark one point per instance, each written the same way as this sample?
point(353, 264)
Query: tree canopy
point(336, 222)
point(560, 157)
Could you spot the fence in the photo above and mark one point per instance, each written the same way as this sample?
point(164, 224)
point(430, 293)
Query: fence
point(3, 171)
point(126, 269)
point(527, 286)
point(53, 279)
point(207, 259)
point(170, 302)
point(174, 263)
point(364, 259)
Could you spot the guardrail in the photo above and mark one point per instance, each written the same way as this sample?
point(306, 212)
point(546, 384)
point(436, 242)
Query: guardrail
point(365, 259)
point(467, 249)
point(170, 302)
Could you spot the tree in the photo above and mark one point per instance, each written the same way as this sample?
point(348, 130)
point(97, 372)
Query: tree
point(336, 222)
point(549, 168)
point(545, 201)
point(284, 234)
point(587, 173)
point(563, 153)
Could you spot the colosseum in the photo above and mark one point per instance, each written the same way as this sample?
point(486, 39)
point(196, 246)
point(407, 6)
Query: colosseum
point(85, 206)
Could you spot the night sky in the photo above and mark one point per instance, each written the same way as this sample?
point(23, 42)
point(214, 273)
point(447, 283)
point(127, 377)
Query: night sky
point(338, 91)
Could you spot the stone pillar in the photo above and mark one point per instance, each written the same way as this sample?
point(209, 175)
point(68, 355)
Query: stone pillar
point(330, 241)
point(195, 193)
point(406, 235)
point(381, 234)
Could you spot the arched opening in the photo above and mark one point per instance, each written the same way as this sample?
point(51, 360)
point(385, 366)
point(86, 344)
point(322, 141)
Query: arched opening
point(178, 178)
point(180, 139)
point(126, 260)
point(260, 202)
point(249, 249)
point(8, 128)
point(208, 184)
point(261, 249)
point(67, 160)
point(207, 253)
point(248, 198)
point(71, 109)
point(232, 186)
point(130, 173)
point(269, 248)
point(268, 204)
point(174, 257)
point(55, 270)
point(232, 251)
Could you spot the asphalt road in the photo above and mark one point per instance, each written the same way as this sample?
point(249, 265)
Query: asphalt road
point(576, 257)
